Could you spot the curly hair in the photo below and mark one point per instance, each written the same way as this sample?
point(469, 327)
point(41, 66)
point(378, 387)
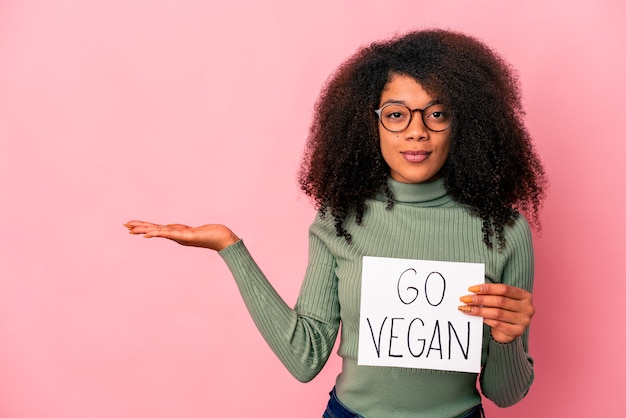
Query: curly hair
point(492, 167)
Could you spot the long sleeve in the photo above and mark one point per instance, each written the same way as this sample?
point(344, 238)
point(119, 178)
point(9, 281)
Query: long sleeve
point(302, 337)
point(424, 224)
point(508, 372)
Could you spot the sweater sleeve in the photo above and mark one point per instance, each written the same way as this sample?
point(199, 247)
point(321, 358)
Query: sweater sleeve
point(508, 371)
point(304, 336)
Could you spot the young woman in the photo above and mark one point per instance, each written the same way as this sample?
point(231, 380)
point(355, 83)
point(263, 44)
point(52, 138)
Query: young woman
point(417, 151)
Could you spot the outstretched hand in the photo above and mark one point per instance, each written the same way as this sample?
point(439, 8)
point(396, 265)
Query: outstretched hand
point(508, 310)
point(213, 236)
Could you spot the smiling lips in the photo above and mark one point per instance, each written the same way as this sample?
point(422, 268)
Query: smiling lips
point(415, 156)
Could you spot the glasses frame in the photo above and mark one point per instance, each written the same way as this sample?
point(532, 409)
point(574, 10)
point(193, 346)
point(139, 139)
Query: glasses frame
point(379, 112)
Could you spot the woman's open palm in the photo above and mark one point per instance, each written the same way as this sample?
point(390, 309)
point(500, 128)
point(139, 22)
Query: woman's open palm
point(213, 236)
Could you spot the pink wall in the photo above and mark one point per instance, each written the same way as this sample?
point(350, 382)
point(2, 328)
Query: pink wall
point(109, 111)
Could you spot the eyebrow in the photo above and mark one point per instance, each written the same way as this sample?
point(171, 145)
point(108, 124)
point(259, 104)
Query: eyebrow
point(402, 102)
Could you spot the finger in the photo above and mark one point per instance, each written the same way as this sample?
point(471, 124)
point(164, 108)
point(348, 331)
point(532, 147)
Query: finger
point(507, 322)
point(497, 314)
point(142, 228)
point(138, 224)
point(499, 289)
point(180, 234)
point(502, 302)
point(135, 223)
point(161, 231)
point(505, 328)
point(178, 227)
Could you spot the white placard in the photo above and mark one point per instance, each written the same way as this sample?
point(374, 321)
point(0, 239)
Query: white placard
point(410, 317)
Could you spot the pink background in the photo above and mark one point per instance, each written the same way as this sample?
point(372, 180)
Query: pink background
point(121, 109)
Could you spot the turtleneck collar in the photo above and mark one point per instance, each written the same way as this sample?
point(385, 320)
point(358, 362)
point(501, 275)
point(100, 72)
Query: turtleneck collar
point(431, 194)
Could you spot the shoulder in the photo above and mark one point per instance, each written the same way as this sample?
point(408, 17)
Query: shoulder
point(519, 241)
point(323, 226)
point(519, 231)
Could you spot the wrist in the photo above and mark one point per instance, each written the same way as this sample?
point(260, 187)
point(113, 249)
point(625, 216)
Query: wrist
point(228, 241)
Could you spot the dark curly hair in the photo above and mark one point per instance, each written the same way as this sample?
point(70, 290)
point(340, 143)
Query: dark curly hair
point(492, 166)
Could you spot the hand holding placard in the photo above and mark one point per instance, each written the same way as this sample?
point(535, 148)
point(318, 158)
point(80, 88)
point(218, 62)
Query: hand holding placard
point(410, 317)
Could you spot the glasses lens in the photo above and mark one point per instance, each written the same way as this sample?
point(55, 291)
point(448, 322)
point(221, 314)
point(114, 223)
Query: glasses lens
point(395, 117)
point(436, 117)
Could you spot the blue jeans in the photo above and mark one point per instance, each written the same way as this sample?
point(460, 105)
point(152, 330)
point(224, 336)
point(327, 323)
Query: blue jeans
point(336, 409)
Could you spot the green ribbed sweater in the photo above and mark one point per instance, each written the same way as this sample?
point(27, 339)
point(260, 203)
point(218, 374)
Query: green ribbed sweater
point(425, 223)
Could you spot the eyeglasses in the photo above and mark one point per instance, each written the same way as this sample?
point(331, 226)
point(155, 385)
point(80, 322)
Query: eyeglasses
point(396, 117)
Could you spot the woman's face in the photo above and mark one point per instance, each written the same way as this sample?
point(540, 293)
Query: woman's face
point(416, 154)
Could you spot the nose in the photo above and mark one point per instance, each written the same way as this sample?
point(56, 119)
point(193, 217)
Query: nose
point(416, 129)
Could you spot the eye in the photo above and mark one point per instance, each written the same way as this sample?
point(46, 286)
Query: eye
point(437, 113)
point(395, 115)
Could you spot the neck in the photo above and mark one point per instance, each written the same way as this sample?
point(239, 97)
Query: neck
point(429, 194)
